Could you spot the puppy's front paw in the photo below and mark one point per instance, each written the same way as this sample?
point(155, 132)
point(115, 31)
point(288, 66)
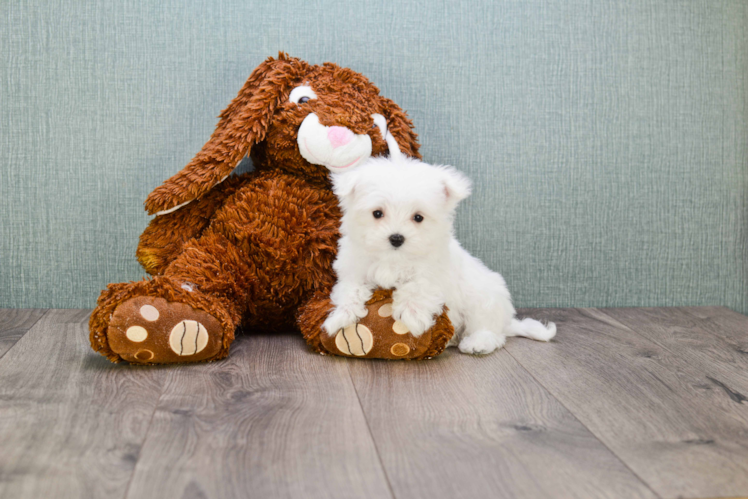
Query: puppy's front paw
point(481, 342)
point(342, 317)
point(416, 319)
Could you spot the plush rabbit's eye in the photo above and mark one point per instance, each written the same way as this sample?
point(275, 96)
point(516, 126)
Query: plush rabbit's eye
point(378, 214)
point(302, 94)
point(418, 218)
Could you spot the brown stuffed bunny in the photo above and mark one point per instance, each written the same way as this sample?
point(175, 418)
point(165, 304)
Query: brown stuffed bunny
point(256, 250)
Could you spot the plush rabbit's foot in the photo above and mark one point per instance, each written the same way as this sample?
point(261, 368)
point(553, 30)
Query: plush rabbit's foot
point(152, 330)
point(161, 320)
point(375, 334)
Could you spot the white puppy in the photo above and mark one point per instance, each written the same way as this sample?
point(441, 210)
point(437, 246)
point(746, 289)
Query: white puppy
point(397, 232)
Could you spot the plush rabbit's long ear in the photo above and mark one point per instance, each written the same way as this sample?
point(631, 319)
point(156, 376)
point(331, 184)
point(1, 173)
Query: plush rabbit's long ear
point(242, 124)
point(401, 128)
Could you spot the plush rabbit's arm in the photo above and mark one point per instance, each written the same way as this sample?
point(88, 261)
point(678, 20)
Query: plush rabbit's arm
point(163, 239)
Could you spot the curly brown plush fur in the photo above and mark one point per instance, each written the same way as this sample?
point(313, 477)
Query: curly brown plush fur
point(253, 249)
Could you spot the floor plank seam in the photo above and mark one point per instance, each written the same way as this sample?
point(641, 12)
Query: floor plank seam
point(368, 427)
point(600, 440)
point(24, 333)
point(145, 439)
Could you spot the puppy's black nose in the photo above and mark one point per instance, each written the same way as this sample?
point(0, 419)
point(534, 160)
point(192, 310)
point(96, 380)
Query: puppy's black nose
point(397, 239)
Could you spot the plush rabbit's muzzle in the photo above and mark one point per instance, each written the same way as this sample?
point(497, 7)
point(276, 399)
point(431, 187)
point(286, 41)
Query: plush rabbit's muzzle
point(337, 147)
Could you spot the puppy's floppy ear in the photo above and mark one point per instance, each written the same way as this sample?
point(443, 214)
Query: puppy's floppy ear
point(242, 124)
point(345, 186)
point(401, 128)
point(457, 186)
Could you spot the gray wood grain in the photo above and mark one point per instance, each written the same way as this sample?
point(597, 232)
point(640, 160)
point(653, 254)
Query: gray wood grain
point(14, 323)
point(661, 414)
point(723, 322)
point(464, 426)
point(273, 420)
point(71, 423)
point(622, 400)
point(713, 340)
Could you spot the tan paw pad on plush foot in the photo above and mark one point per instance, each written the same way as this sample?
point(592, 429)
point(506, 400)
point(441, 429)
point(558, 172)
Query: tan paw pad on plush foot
point(354, 340)
point(152, 330)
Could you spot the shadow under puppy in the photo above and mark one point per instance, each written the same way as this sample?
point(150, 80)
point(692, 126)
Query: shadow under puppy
point(397, 232)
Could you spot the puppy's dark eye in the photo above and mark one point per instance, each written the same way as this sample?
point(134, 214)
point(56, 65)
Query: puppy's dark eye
point(378, 214)
point(418, 218)
point(303, 100)
point(374, 125)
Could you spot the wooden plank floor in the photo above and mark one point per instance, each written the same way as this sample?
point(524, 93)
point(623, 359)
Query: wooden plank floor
point(623, 403)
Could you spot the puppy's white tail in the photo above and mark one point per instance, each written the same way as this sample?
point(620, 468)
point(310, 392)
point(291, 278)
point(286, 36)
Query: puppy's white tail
point(532, 329)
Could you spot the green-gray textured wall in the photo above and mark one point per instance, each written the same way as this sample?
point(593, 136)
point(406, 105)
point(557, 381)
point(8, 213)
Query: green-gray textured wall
point(608, 139)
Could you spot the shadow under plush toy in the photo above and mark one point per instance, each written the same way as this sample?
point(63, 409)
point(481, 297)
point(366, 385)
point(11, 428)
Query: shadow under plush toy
point(256, 250)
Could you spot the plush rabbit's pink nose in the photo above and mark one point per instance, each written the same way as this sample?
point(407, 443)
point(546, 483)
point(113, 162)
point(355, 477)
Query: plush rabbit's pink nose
point(339, 136)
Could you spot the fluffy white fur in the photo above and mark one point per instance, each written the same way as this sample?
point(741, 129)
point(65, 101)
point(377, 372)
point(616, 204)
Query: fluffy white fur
point(430, 268)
